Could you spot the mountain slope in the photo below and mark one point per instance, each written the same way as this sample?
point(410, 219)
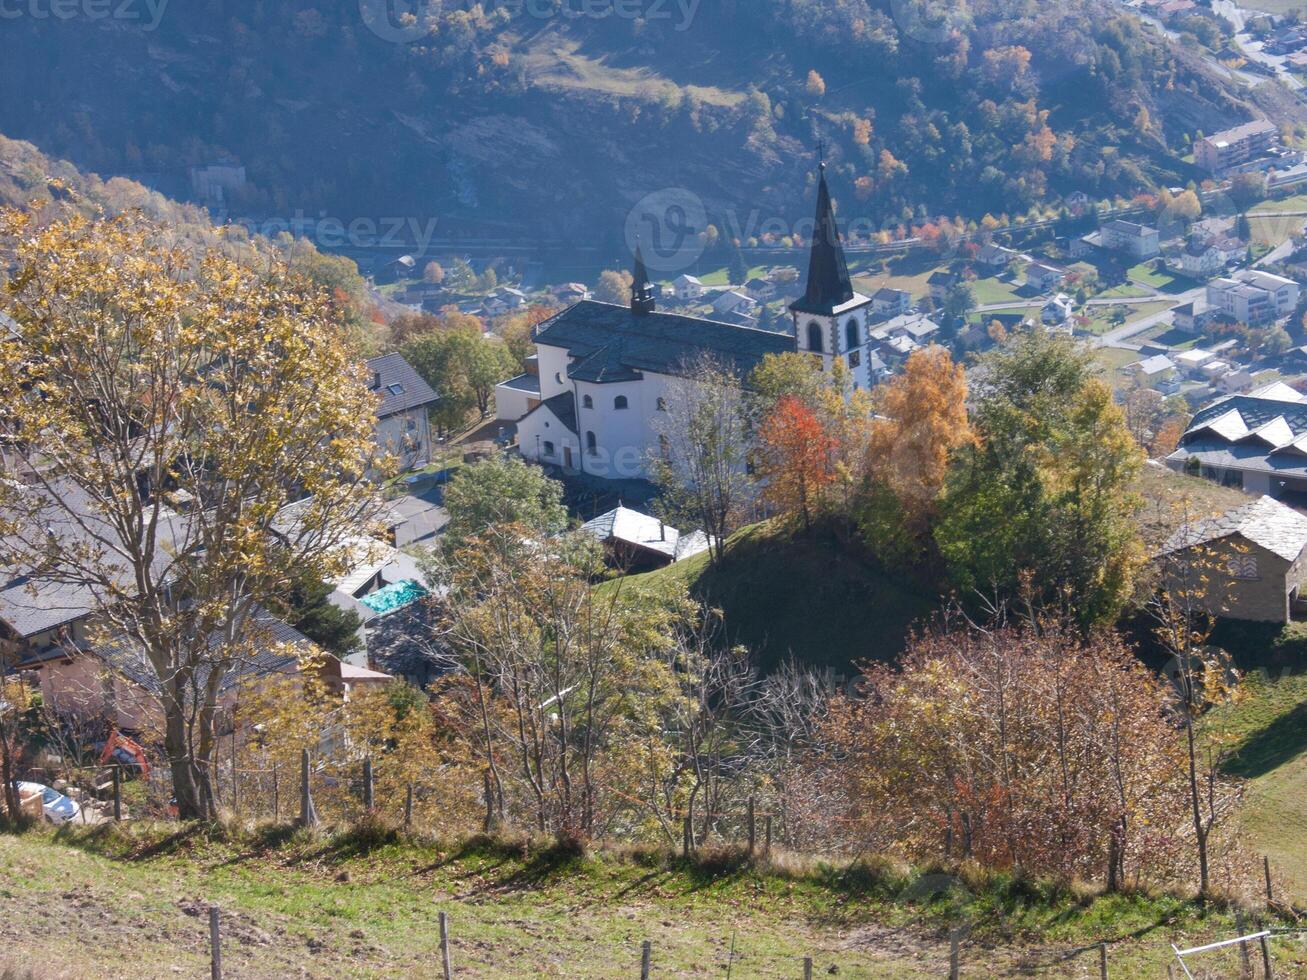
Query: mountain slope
point(529, 119)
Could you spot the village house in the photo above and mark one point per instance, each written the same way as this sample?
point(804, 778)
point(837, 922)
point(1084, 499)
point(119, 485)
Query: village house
point(607, 372)
point(1192, 318)
point(403, 417)
point(1253, 297)
point(1250, 559)
point(1057, 310)
point(760, 289)
point(1198, 259)
point(941, 283)
point(687, 288)
point(636, 542)
point(1043, 277)
point(1237, 148)
point(889, 302)
point(996, 257)
point(733, 301)
point(1138, 241)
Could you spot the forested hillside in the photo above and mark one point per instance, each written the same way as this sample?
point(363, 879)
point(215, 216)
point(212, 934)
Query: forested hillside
point(542, 120)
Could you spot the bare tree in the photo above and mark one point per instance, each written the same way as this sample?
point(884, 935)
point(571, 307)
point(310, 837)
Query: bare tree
point(704, 440)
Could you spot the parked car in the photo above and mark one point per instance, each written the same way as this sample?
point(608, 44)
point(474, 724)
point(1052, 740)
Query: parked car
point(58, 809)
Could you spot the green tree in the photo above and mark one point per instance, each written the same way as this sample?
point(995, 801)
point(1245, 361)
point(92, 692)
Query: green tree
point(308, 608)
point(1043, 501)
point(502, 491)
point(737, 270)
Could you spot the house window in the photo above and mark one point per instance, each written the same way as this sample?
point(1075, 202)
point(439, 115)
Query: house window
point(662, 404)
point(411, 425)
point(855, 358)
point(549, 448)
point(1243, 567)
point(591, 444)
point(395, 389)
point(814, 337)
point(619, 401)
point(851, 334)
point(588, 402)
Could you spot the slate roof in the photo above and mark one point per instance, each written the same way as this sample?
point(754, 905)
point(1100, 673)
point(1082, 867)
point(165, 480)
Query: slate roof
point(643, 531)
point(401, 387)
point(277, 649)
point(564, 408)
point(612, 344)
point(829, 286)
point(1265, 522)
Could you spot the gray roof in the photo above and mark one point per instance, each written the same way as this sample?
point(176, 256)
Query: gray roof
point(399, 384)
point(564, 408)
point(1265, 522)
point(610, 343)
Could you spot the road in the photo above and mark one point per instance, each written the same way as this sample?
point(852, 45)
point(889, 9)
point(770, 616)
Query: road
point(1120, 336)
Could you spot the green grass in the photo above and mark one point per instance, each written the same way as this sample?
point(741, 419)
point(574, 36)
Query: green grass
point(366, 904)
point(1100, 321)
point(783, 593)
point(1297, 202)
point(994, 290)
point(908, 272)
point(1159, 278)
point(720, 278)
point(1270, 725)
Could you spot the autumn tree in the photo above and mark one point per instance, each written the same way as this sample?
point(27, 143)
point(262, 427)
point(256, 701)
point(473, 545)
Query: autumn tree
point(165, 406)
point(433, 273)
point(1018, 746)
point(920, 424)
point(815, 85)
point(613, 287)
point(795, 457)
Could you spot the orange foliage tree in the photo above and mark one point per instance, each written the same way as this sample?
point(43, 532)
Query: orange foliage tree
point(797, 457)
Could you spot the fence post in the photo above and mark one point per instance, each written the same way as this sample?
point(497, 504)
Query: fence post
point(444, 946)
point(367, 784)
point(646, 959)
point(954, 965)
point(807, 968)
point(408, 807)
point(276, 795)
point(1266, 868)
point(1266, 953)
point(308, 815)
point(117, 792)
point(752, 826)
point(1102, 960)
point(215, 944)
point(766, 833)
point(1245, 960)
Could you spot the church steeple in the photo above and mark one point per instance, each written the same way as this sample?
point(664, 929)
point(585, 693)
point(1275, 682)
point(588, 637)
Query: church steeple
point(829, 285)
point(642, 293)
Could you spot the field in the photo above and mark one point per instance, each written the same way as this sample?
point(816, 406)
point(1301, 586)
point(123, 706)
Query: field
point(1100, 320)
point(366, 903)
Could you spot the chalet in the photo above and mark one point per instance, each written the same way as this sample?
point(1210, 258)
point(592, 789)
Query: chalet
point(403, 415)
point(634, 541)
point(1251, 559)
point(1057, 310)
point(760, 289)
point(687, 288)
point(891, 302)
point(996, 257)
point(1043, 277)
point(1257, 441)
point(941, 283)
point(733, 301)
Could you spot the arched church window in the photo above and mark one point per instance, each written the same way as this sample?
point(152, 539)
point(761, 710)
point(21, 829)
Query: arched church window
point(814, 337)
point(851, 338)
point(587, 402)
point(591, 444)
point(619, 401)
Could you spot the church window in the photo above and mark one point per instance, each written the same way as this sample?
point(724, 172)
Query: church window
point(619, 401)
point(855, 358)
point(549, 448)
point(591, 444)
point(851, 338)
point(587, 402)
point(814, 337)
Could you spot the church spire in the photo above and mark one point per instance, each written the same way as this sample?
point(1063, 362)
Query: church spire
point(829, 285)
point(642, 293)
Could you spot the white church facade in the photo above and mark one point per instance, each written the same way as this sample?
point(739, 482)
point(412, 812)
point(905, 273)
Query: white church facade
point(606, 372)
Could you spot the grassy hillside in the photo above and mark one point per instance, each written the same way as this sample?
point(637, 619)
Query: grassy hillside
point(784, 593)
point(366, 905)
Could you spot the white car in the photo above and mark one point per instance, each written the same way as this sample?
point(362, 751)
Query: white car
point(58, 809)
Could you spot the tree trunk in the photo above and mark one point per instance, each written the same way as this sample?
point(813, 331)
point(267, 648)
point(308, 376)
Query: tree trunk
point(1200, 835)
point(7, 774)
point(190, 781)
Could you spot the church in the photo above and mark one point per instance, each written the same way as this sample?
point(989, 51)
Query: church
point(605, 371)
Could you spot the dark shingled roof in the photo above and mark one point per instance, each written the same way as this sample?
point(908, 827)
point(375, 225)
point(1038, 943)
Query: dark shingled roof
point(829, 285)
point(401, 387)
point(610, 343)
point(564, 408)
